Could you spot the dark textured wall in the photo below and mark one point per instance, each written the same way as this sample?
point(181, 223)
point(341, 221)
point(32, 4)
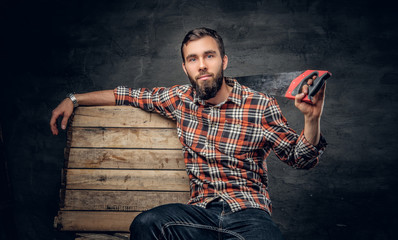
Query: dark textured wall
point(54, 47)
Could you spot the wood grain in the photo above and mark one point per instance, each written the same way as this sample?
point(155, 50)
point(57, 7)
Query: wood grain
point(125, 138)
point(119, 161)
point(120, 200)
point(109, 179)
point(99, 236)
point(119, 116)
point(86, 221)
point(125, 158)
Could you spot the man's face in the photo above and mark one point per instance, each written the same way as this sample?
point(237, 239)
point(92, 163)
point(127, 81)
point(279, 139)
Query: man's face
point(204, 66)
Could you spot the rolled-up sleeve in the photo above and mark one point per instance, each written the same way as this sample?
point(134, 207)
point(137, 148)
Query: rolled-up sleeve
point(161, 100)
point(288, 146)
point(123, 95)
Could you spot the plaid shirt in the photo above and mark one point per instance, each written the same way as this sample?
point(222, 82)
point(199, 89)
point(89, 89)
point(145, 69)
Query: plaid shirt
point(225, 146)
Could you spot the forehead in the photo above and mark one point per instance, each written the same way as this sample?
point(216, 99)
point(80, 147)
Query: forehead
point(200, 46)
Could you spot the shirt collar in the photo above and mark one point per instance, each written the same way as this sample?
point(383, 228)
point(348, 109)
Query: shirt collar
point(235, 96)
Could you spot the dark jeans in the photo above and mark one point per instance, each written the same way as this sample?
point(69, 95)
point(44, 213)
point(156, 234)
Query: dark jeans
point(186, 222)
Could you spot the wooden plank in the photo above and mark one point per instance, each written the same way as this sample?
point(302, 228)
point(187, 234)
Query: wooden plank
point(125, 138)
point(125, 158)
point(86, 221)
point(110, 179)
point(113, 139)
point(120, 200)
point(122, 235)
point(119, 116)
point(99, 236)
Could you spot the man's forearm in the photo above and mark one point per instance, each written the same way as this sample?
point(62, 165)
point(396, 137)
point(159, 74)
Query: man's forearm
point(98, 98)
point(312, 130)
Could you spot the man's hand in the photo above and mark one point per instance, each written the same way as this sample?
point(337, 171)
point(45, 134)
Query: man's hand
point(312, 112)
point(65, 109)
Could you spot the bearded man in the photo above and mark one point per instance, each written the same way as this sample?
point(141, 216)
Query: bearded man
point(227, 131)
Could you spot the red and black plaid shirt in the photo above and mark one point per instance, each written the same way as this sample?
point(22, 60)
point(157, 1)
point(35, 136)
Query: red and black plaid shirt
point(225, 146)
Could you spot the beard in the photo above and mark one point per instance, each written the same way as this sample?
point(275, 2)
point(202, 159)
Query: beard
point(209, 88)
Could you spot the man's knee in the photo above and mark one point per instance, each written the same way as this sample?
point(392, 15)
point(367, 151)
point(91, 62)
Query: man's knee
point(149, 223)
point(145, 222)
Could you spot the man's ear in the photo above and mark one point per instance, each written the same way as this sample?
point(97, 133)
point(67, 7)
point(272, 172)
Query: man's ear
point(183, 68)
point(225, 62)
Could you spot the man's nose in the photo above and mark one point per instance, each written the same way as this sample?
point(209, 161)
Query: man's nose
point(202, 64)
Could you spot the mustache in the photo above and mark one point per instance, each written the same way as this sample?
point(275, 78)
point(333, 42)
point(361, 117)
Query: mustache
point(203, 74)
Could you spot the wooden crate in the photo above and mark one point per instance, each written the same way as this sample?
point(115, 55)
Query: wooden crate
point(119, 161)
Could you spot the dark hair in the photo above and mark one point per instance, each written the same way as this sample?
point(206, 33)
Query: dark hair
point(199, 33)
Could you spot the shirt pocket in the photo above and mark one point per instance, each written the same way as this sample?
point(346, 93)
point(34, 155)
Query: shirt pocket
point(239, 137)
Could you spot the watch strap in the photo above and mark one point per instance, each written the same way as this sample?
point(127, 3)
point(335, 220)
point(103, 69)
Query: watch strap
point(72, 97)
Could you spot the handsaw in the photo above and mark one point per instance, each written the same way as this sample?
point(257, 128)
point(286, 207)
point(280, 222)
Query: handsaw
point(287, 84)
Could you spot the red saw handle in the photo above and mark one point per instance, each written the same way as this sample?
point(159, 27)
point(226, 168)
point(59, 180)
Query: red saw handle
point(297, 84)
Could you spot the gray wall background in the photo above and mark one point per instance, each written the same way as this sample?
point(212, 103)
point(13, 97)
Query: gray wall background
point(54, 47)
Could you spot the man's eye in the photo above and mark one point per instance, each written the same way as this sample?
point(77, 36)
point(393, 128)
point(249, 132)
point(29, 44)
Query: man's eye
point(191, 60)
point(210, 56)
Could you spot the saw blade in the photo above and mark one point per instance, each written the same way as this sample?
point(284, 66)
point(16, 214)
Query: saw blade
point(273, 84)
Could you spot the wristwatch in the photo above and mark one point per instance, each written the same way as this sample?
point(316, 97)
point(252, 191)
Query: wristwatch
point(72, 97)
